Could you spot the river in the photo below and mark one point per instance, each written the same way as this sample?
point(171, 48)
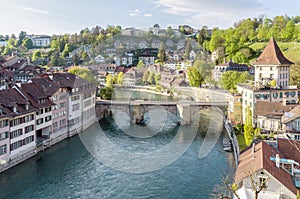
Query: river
point(72, 169)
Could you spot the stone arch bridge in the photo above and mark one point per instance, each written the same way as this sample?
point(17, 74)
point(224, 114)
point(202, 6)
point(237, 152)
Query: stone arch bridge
point(136, 109)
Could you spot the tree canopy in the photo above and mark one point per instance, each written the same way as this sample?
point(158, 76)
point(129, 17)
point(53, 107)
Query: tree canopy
point(230, 79)
point(84, 73)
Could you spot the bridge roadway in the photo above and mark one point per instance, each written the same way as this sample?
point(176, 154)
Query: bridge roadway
point(161, 103)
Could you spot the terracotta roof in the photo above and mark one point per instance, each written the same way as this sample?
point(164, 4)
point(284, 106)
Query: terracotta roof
point(11, 97)
point(68, 80)
point(35, 93)
point(249, 162)
point(291, 115)
point(232, 64)
point(272, 55)
point(267, 108)
point(45, 84)
point(289, 148)
point(119, 69)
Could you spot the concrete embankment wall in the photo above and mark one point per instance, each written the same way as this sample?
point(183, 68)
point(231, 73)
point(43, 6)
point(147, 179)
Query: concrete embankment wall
point(235, 144)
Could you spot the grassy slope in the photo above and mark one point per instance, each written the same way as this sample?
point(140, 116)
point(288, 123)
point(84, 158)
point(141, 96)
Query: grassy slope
point(241, 141)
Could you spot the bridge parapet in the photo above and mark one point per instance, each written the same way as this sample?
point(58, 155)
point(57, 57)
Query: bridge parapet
point(137, 108)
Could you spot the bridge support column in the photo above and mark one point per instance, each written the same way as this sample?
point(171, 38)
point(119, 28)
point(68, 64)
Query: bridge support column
point(184, 113)
point(136, 114)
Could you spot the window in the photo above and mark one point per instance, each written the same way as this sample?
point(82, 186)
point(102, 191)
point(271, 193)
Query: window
point(62, 97)
point(3, 149)
point(40, 112)
point(29, 118)
point(28, 140)
point(62, 122)
point(298, 125)
point(48, 109)
point(3, 136)
point(297, 137)
point(75, 107)
point(55, 125)
point(263, 182)
point(75, 98)
point(48, 118)
point(272, 125)
point(63, 104)
point(87, 103)
point(29, 128)
point(3, 123)
point(40, 121)
point(16, 133)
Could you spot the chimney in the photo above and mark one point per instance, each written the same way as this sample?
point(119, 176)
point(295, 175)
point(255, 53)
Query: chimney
point(28, 61)
point(284, 101)
point(277, 161)
point(253, 148)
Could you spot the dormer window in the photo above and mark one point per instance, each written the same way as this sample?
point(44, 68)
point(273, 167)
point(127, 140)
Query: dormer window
point(15, 109)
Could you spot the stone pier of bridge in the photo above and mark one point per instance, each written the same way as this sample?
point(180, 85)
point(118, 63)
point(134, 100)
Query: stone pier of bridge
point(137, 109)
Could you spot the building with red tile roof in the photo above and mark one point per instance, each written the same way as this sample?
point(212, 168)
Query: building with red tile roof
point(260, 161)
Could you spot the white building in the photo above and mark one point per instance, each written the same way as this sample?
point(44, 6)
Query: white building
point(271, 65)
point(40, 40)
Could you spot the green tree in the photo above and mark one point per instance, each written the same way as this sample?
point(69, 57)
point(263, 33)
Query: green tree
point(157, 78)
point(84, 73)
point(27, 43)
point(109, 80)
point(230, 79)
point(194, 76)
point(76, 60)
point(36, 55)
point(145, 76)
point(22, 36)
point(106, 93)
point(188, 49)
point(217, 40)
point(141, 65)
point(161, 53)
point(120, 79)
point(289, 31)
point(248, 128)
point(273, 83)
point(151, 78)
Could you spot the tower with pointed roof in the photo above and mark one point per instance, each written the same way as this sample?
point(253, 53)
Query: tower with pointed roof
point(272, 65)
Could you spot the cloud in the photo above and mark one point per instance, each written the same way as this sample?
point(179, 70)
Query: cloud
point(213, 12)
point(35, 10)
point(135, 12)
point(148, 15)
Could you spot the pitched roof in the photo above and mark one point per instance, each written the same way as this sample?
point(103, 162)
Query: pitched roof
point(289, 148)
point(10, 98)
point(249, 162)
point(272, 55)
point(267, 108)
point(232, 64)
point(291, 115)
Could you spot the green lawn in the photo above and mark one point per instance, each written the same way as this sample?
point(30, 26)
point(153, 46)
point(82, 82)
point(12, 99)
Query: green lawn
point(290, 49)
point(241, 141)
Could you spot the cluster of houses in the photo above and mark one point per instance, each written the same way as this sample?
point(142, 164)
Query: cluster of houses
point(269, 169)
point(42, 111)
